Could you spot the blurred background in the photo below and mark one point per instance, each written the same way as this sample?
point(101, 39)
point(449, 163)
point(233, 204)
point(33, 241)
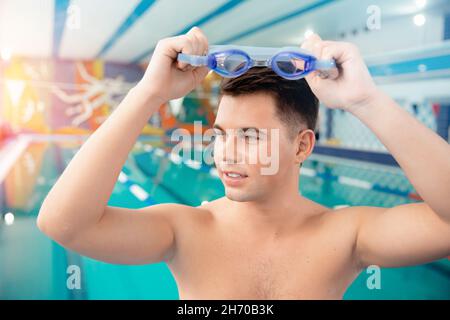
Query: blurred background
point(66, 64)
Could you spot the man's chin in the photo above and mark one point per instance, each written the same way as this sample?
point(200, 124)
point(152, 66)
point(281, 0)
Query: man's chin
point(238, 196)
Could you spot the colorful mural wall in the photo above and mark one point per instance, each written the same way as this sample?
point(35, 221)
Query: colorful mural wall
point(75, 97)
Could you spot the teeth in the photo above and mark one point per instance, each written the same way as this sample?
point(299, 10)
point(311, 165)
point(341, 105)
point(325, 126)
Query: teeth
point(234, 175)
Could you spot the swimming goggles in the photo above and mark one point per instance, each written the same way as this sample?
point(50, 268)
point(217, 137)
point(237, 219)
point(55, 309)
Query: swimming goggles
point(291, 63)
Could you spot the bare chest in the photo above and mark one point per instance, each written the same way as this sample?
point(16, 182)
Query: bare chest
point(227, 266)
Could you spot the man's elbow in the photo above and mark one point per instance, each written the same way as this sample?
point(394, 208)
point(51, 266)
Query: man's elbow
point(40, 223)
point(54, 229)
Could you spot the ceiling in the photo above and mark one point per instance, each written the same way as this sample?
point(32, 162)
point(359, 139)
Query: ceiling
point(128, 30)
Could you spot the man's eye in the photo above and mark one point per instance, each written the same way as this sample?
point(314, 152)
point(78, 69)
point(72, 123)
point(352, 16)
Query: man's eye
point(218, 133)
point(251, 137)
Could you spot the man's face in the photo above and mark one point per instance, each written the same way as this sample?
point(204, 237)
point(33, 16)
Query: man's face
point(252, 151)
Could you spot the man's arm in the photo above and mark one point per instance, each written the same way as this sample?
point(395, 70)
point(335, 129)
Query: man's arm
point(411, 233)
point(75, 212)
point(405, 234)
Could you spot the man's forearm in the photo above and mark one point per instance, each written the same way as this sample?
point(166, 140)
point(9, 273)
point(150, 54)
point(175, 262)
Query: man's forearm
point(81, 194)
point(421, 153)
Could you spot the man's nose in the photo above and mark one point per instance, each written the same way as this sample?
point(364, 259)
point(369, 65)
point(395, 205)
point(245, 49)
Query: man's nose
point(231, 149)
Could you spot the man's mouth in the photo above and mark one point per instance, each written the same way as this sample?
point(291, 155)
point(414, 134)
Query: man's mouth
point(235, 175)
point(233, 178)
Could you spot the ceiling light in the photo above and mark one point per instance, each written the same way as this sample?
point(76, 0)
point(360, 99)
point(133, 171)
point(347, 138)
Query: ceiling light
point(419, 20)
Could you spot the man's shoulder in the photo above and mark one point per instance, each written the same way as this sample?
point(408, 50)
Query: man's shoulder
point(352, 215)
point(346, 213)
point(357, 210)
point(176, 211)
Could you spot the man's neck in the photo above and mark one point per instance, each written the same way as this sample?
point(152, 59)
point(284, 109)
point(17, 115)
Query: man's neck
point(274, 215)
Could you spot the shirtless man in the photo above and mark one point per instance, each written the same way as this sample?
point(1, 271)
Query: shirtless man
point(263, 240)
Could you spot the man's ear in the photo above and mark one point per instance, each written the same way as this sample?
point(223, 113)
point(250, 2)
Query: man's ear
point(304, 144)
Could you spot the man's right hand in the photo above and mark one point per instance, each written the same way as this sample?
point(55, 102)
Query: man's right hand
point(166, 78)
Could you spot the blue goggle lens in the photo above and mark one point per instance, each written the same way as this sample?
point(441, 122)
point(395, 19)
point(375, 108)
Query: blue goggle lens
point(231, 64)
point(290, 64)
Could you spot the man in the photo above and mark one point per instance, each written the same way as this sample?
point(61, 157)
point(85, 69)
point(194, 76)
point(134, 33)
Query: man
point(263, 240)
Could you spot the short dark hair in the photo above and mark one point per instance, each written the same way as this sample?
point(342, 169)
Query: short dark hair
point(296, 103)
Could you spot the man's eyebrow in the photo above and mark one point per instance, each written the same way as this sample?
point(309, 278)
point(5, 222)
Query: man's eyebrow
point(244, 129)
point(257, 130)
point(216, 126)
